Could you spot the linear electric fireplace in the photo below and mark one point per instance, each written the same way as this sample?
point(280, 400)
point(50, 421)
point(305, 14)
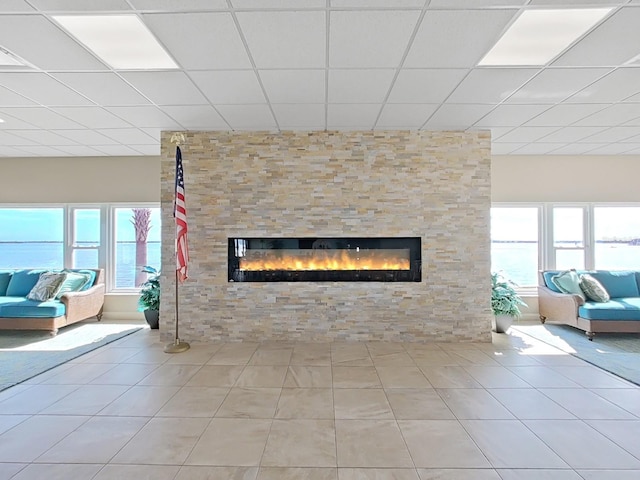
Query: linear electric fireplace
point(367, 259)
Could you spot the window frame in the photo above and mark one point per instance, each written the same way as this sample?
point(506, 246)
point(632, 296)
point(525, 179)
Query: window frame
point(107, 247)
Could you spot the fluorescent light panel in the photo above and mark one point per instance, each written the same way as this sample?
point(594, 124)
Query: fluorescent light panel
point(123, 41)
point(538, 36)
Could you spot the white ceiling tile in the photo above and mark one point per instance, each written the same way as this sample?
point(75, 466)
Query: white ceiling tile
point(80, 151)
point(554, 3)
point(294, 116)
point(247, 117)
point(229, 87)
point(458, 116)
point(278, 4)
point(618, 85)
point(166, 88)
point(505, 148)
point(179, 5)
point(571, 134)
point(554, 85)
point(561, 115)
point(294, 86)
point(490, 85)
point(148, 149)
point(79, 5)
point(576, 148)
point(376, 3)
point(476, 3)
point(12, 123)
point(40, 117)
point(537, 148)
point(106, 89)
point(85, 136)
point(16, 6)
point(615, 134)
point(8, 138)
point(145, 117)
point(117, 150)
point(452, 39)
point(42, 89)
point(24, 34)
point(369, 39)
point(611, 149)
point(43, 151)
point(510, 115)
point(200, 40)
point(92, 117)
point(11, 99)
point(527, 134)
point(6, 151)
point(411, 116)
point(44, 137)
point(352, 116)
point(615, 115)
point(425, 85)
point(612, 43)
point(497, 132)
point(127, 136)
point(359, 86)
point(196, 117)
point(285, 39)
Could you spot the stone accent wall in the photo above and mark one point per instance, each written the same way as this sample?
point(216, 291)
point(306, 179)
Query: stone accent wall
point(435, 185)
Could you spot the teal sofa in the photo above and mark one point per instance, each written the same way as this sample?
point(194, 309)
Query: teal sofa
point(17, 312)
point(620, 314)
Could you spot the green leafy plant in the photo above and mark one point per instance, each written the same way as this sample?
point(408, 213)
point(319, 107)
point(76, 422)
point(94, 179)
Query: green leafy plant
point(150, 294)
point(504, 298)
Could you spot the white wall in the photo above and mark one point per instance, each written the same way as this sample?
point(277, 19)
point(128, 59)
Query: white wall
point(515, 178)
point(529, 178)
point(84, 180)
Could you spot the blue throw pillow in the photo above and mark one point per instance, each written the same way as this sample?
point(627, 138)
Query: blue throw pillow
point(618, 283)
point(74, 282)
point(5, 277)
point(569, 282)
point(22, 281)
point(90, 273)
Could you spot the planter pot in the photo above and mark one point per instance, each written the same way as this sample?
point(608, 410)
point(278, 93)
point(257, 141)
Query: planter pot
point(153, 318)
point(502, 323)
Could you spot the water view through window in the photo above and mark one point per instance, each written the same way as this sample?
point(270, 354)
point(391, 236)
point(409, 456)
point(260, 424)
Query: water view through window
point(34, 238)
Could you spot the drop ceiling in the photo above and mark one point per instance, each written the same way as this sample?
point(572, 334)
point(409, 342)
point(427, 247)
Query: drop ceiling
point(318, 65)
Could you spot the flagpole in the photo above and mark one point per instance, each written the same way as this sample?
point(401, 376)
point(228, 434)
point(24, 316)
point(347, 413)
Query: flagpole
point(177, 346)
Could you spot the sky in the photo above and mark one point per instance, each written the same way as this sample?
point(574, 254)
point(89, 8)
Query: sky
point(46, 224)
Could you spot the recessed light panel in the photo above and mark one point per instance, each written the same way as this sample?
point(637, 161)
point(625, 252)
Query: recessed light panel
point(122, 41)
point(538, 36)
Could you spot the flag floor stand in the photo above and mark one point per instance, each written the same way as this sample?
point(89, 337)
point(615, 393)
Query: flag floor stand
point(177, 346)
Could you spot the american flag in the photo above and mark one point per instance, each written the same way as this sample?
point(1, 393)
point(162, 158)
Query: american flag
point(180, 214)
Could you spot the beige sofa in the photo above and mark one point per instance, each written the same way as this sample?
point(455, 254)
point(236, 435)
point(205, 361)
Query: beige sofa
point(78, 306)
point(620, 315)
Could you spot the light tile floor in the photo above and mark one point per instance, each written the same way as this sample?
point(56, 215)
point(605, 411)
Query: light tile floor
point(516, 409)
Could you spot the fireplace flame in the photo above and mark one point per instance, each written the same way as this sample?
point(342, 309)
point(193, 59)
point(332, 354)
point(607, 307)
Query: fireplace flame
point(325, 260)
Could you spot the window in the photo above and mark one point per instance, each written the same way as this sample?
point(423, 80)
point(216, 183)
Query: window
point(514, 243)
point(568, 237)
point(83, 236)
point(32, 238)
point(137, 243)
point(617, 238)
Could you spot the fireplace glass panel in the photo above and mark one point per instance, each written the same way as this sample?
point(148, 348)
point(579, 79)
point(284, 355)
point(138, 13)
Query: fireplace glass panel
point(389, 259)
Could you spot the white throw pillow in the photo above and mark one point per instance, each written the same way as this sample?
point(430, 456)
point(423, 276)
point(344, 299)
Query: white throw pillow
point(47, 286)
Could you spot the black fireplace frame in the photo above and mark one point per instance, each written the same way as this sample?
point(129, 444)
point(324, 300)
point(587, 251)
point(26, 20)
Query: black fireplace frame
point(238, 245)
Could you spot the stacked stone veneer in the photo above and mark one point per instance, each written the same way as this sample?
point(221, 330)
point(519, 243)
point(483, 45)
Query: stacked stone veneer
point(435, 185)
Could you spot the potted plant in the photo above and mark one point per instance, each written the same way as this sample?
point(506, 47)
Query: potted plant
point(149, 300)
point(505, 302)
